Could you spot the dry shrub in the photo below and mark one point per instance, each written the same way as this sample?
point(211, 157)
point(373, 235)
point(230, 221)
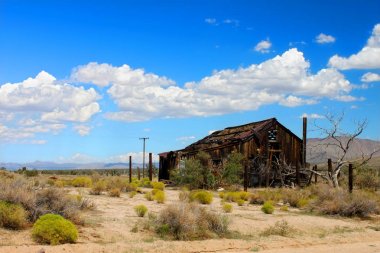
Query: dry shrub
point(116, 182)
point(52, 200)
point(184, 195)
point(335, 201)
point(17, 190)
point(56, 201)
point(261, 196)
point(296, 197)
point(190, 221)
point(12, 216)
point(98, 187)
point(281, 228)
point(115, 192)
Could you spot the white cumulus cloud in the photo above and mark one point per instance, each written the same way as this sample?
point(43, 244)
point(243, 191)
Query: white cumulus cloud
point(324, 39)
point(370, 77)
point(42, 105)
point(367, 58)
point(285, 79)
point(263, 46)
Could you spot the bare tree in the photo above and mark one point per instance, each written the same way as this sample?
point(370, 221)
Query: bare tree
point(342, 141)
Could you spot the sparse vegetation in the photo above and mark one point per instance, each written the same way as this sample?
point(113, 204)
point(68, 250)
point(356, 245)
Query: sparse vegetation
point(54, 229)
point(132, 194)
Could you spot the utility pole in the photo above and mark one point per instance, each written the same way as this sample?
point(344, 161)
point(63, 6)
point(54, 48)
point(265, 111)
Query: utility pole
point(144, 138)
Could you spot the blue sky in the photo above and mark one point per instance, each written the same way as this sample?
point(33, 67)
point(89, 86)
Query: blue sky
point(81, 81)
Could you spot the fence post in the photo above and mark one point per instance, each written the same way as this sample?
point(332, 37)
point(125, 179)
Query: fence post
point(150, 167)
point(130, 169)
point(329, 167)
point(315, 175)
point(350, 178)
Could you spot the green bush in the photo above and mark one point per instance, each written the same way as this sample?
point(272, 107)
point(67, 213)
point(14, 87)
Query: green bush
point(202, 196)
point(54, 229)
point(141, 210)
point(12, 216)
point(227, 208)
point(82, 182)
point(267, 207)
point(158, 185)
point(196, 173)
point(160, 197)
point(232, 171)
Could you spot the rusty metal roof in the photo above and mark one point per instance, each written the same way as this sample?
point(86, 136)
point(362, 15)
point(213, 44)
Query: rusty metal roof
point(231, 135)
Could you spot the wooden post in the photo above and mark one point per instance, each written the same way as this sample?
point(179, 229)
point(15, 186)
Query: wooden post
point(130, 169)
point(304, 136)
point(138, 173)
point(297, 173)
point(329, 167)
point(245, 177)
point(150, 167)
point(315, 175)
point(350, 178)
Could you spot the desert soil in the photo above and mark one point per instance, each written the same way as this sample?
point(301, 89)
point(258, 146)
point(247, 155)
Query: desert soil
point(108, 229)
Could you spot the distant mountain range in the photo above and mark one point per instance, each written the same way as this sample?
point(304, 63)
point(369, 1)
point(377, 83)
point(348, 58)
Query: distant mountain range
point(318, 150)
point(40, 165)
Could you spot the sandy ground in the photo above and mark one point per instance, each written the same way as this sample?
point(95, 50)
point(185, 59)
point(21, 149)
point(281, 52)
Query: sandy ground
point(108, 229)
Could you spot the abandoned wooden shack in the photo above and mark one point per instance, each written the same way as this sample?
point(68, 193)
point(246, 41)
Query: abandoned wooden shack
point(273, 154)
